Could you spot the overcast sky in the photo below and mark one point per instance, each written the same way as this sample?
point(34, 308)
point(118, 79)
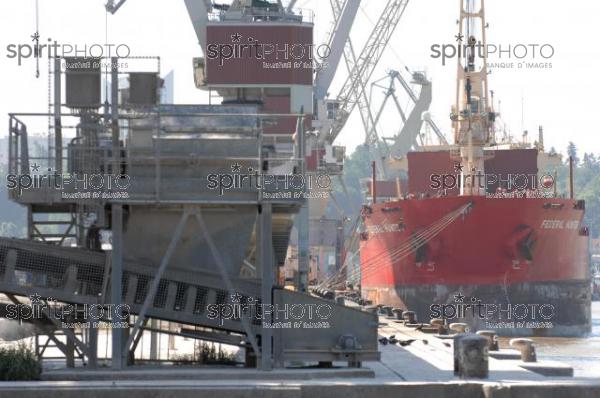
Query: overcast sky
point(563, 98)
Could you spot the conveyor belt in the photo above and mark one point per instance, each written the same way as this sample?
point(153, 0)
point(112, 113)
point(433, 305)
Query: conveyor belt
point(80, 276)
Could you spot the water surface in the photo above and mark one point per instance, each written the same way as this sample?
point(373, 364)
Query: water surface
point(581, 353)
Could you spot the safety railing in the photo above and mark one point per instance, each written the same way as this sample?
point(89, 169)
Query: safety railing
point(170, 153)
point(18, 148)
point(264, 14)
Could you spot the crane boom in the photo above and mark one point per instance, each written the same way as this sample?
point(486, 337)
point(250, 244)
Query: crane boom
point(343, 17)
point(198, 11)
point(112, 7)
point(366, 63)
point(361, 98)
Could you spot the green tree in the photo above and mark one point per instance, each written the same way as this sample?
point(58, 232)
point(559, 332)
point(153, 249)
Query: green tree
point(586, 186)
point(572, 152)
point(357, 167)
point(12, 216)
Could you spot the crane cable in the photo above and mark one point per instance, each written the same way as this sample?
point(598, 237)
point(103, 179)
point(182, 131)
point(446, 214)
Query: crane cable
point(408, 247)
point(106, 63)
point(413, 245)
point(36, 38)
point(416, 242)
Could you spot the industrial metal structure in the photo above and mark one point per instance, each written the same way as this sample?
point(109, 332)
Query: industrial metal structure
point(188, 194)
point(332, 113)
point(409, 136)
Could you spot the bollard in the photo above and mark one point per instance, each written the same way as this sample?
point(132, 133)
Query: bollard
point(398, 312)
point(371, 308)
point(459, 327)
point(409, 317)
point(440, 325)
point(473, 357)
point(457, 338)
point(526, 347)
point(250, 358)
point(492, 338)
point(387, 310)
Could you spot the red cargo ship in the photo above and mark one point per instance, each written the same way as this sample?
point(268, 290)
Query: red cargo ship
point(419, 254)
point(482, 238)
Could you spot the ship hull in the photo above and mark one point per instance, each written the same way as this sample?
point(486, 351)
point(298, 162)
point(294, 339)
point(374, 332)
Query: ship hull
point(570, 317)
point(518, 266)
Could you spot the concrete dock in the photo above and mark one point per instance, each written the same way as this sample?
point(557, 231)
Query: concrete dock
point(430, 358)
point(421, 368)
point(332, 388)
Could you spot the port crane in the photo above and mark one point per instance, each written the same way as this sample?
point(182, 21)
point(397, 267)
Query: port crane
point(361, 68)
point(354, 92)
point(406, 138)
point(331, 114)
point(334, 113)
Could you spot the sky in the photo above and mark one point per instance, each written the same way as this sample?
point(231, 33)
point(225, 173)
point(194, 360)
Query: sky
point(563, 98)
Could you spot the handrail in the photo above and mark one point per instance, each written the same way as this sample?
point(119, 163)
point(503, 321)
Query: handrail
point(85, 153)
point(303, 15)
point(18, 146)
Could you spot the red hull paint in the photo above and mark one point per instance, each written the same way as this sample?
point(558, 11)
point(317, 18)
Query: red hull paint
point(499, 241)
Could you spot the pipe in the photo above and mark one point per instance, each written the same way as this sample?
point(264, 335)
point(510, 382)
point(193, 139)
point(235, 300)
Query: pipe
point(570, 177)
point(374, 182)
